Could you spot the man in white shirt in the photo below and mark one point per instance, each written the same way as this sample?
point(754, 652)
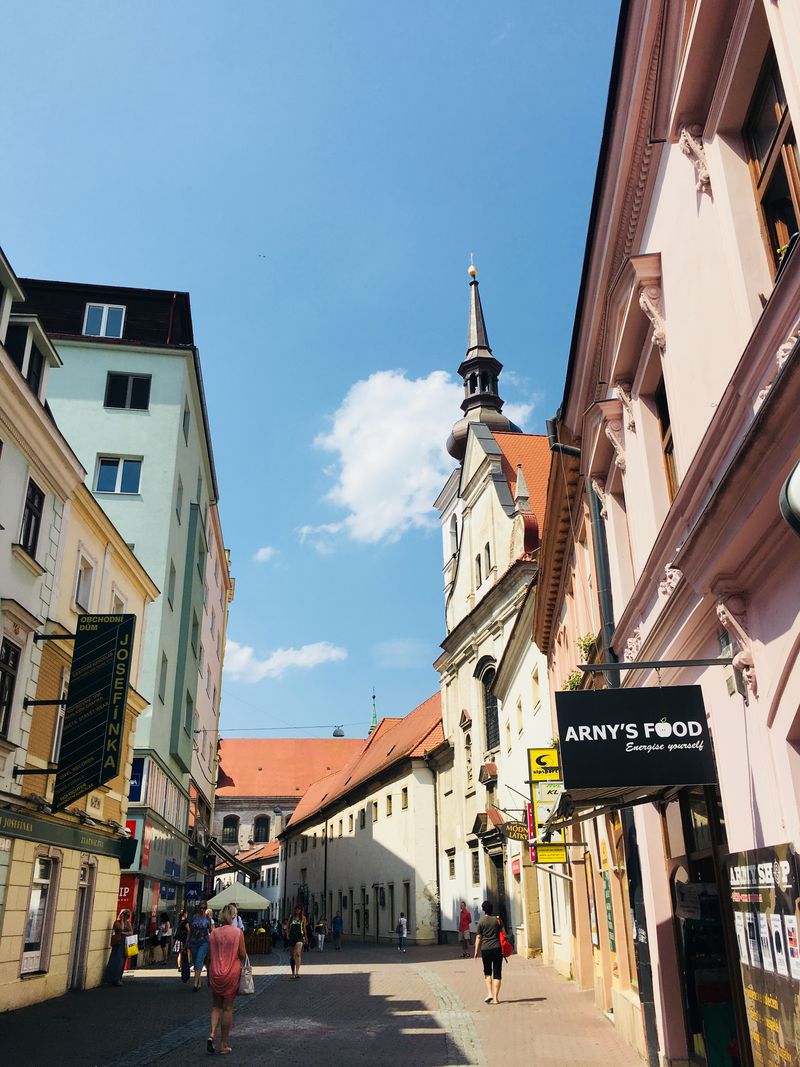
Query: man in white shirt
point(402, 932)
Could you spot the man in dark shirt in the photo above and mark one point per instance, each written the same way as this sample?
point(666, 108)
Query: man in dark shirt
point(487, 942)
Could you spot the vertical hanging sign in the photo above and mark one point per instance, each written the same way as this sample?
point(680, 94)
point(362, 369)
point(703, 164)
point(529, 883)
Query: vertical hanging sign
point(91, 748)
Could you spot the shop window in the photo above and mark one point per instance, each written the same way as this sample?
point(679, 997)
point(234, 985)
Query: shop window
point(261, 828)
point(772, 151)
point(230, 830)
point(41, 913)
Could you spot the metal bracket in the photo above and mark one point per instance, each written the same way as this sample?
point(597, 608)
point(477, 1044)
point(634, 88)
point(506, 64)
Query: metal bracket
point(26, 703)
point(18, 772)
point(53, 637)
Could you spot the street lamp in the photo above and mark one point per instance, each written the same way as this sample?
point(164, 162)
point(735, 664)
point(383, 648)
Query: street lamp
point(790, 498)
point(338, 731)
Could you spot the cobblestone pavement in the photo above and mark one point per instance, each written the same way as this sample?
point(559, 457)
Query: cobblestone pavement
point(366, 1005)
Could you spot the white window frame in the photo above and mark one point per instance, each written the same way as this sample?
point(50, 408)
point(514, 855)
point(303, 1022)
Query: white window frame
point(103, 322)
point(37, 961)
point(116, 595)
point(84, 557)
point(58, 729)
point(116, 491)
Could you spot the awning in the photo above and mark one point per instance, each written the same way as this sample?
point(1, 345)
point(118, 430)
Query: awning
point(577, 805)
point(230, 859)
point(245, 899)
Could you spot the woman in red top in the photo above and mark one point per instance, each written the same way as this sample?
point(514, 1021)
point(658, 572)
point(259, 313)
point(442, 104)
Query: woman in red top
point(226, 953)
point(464, 923)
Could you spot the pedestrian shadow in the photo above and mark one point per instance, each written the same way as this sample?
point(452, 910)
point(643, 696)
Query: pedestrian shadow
point(522, 1000)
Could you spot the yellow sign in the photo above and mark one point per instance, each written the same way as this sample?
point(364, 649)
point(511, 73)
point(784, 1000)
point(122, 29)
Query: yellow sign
point(551, 853)
point(543, 764)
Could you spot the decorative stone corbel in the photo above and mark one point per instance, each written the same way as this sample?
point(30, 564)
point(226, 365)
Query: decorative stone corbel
point(622, 390)
point(650, 303)
point(731, 612)
point(613, 431)
point(599, 487)
point(781, 356)
point(691, 144)
point(671, 578)
point(632, 645)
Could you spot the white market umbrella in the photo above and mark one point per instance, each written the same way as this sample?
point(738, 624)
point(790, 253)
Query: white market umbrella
point(244, 898)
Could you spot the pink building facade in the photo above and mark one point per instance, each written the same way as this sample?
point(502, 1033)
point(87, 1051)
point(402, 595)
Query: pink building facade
point(664, 538)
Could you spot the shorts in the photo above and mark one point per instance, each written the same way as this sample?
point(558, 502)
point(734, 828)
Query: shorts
point(463, 935)
point(199, 951)
point(493, 962)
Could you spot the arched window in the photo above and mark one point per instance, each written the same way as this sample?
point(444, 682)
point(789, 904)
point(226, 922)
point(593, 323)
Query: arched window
point(487, 558)
point(230, 830)
point(484, 382)
point(473, 383)
point(468, 757)
point(453, 534)
point(490, 713)
point(261, 828)
point(478, 578)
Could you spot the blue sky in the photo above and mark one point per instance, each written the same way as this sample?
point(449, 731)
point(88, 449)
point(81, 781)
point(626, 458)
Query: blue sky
point(316, 175)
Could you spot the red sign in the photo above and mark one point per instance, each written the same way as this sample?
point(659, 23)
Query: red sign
point(530, 831)
point(147, 837)
point(126, 896)
point(515, 866)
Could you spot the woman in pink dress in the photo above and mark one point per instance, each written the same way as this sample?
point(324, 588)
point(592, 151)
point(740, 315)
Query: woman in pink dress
point(226, 952)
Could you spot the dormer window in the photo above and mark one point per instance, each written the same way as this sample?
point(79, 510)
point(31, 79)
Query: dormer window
point(103, 320)
point(26, 354)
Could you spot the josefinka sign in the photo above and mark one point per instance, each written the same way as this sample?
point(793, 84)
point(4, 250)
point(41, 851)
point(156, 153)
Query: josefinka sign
point(634, 737)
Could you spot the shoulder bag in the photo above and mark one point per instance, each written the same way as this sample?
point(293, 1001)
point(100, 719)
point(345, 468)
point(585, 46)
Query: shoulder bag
point(506, 946)
point(246, 983)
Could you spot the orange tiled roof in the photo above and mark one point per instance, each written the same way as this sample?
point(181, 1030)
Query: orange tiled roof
point(281, 766)
point(533, 452)
point(392, 741)
point(253, 854)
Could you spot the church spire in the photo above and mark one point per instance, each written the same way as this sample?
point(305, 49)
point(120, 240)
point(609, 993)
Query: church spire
point(374, 722)
point(480, 371)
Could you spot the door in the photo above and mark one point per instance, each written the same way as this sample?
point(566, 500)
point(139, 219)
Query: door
point(76, 978)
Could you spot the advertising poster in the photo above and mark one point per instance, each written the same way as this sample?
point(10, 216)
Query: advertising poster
point(764, 896)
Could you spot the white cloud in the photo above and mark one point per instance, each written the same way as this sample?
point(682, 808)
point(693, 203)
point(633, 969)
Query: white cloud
point(403, 654)
point(243, 665)
point(388, 438)
point(265, 554)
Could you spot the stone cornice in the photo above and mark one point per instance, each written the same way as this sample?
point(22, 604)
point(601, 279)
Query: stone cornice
point(485, 614)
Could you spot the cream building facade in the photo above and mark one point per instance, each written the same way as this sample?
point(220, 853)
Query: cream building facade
point(361, 842)
point(494, 680)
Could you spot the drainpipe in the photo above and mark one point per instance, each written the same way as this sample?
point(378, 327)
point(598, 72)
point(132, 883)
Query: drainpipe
point(325, 874)
point(432, 769)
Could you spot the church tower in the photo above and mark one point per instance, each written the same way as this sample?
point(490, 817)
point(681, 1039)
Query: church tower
point(480, 371)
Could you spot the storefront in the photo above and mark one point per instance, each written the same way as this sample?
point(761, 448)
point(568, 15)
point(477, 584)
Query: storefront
point(58, 900)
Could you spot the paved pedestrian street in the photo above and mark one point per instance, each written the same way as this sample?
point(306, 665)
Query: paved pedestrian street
point(365, 1005)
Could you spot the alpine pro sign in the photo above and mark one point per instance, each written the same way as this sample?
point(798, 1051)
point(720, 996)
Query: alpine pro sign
point(91, 747)
point(634, 738)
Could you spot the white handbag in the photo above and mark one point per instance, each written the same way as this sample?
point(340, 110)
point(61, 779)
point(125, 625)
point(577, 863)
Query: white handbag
point(246, 983)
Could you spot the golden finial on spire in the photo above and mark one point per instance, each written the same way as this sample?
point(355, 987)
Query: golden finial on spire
point(473, 270)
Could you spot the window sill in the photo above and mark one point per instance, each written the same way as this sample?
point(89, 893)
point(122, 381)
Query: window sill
point(25, 975)
point(27, 560)
point(125, 496)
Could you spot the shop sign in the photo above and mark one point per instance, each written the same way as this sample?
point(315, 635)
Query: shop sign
point(543, 764)
point(17, 824)
point(193, 891)
point(137, 780)
point(634, 738)
point(531, 833)
point(168, 892)
point(612, 942)
point(515, 831)
point(91, 748)
point(545, 800)
point(764, 892)
point(516, 866)
point(126, 895)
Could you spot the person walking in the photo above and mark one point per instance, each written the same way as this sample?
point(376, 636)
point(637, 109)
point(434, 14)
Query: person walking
point(338, 927)
point(226, 954)
point(180, 942)
point(402, 932)
point(464, 924)
point(164, 935)
point(321, 930)
point(487, 943)
point(199, 930)
point(115, 968)
point(297, 932)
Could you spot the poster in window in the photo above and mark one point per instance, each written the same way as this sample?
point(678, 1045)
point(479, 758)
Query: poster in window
point(765, 895)
point(741, 938)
